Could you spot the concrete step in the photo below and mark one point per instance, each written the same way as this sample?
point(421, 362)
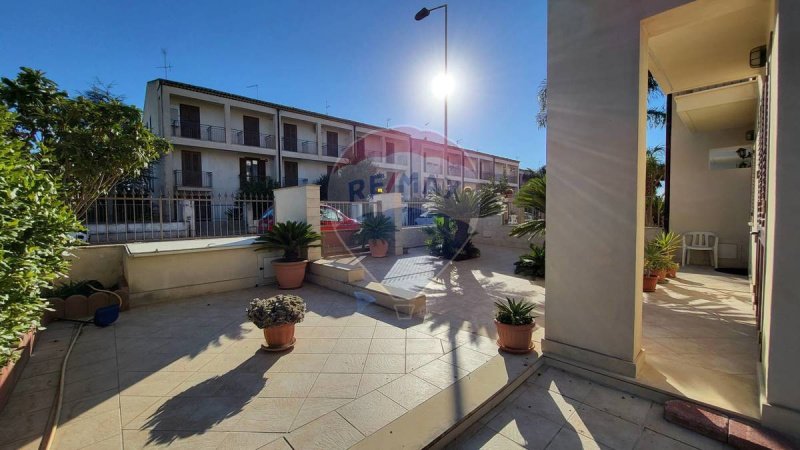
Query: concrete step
point(339, 271)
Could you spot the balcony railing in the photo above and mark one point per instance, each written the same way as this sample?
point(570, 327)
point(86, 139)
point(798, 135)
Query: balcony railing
point(299, 145)
point(470, 173)
point(397, 159)
point(333, 150)
point(432, 168)
point(192, 179)
point(196, 130)
point(241, 137)
point(454, 171)
point(487, 175)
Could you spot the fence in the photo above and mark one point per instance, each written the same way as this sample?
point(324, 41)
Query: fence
point(416, 214)
point(340, 221)
point(119, 219)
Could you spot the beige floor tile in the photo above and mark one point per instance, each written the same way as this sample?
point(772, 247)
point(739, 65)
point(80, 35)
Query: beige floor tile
point(650, 440)
point(604, 427)
point(277, 444)
point(415, 361)
point(131, 406)
point(353, 332)
point(272, 415)
point(372, 381)
point(336, 385)
point(371, 412)
point(465, 358)
point(345, 363)
point(655, 421)
point(487, 439)
point(154, 384)
point(312, 345)
point(618, 403)
point(429, 346)
point(356, 345)
point(379, 363)
point(440, 373)
point(333, 332)
point(296, 362)
point(562, 383)
point(284, 384)
point(396, 346)
point(567, 439)
point(314, 408)
point(525, 427)
point(329, 432)
point(548, 404)
point(83, 432)
point(389, 333)
point(409, 391)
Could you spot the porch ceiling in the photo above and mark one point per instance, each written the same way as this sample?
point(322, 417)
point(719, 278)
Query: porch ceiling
point(706, 42)
point(722, 108)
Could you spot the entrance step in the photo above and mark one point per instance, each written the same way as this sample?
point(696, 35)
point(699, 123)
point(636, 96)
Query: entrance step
point(339, 271)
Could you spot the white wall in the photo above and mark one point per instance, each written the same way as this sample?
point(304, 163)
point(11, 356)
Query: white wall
point(210, 113)
point(702, 199)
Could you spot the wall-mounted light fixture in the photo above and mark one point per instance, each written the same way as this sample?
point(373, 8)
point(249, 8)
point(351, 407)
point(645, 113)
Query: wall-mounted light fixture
point(758, 57)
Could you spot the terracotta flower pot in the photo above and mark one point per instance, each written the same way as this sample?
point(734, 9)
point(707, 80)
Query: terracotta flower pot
point(672, 272)
point(661, 274)
point(279, 336)
point(649, 284)
point(515, 338)
point(378, 248)
point(290, 275)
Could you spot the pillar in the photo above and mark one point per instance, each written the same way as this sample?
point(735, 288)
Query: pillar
point(300, 203)
point(392, 206)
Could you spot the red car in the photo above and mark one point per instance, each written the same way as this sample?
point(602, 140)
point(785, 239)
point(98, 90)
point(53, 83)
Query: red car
point(331, 219)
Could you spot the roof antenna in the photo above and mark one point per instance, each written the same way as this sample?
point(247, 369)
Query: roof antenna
point(254, 86)
point(327, 106)
point(388, 119)
point(166, 66)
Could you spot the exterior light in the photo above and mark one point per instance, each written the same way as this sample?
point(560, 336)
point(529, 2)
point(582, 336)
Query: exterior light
point(379, 190)
point(423, 13)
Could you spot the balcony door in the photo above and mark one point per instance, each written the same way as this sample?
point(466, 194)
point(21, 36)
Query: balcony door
point(290, 177)
point(191, 168)
point(251, 131)
point(252, 170)
point(290, 137)
point(332, 143)
point(390, 152)
point(190, 121)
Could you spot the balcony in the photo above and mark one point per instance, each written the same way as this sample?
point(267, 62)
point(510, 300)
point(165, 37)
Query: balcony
point(192, 179)
point(487, 175)
point(262, 140)
point(333, 150)
point(433, 168)
point(196, 130)
point(470, 173)
point(299, 145)
point(454, 171)
point(397, 159)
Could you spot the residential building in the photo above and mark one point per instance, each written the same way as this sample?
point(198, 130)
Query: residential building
point(732, 76)
point(222, 140)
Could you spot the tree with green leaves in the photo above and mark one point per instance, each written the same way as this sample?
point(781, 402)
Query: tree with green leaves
point(532, 197)
point(655, 173)
point(90, 143)
point(462, 206)
point(34, 233)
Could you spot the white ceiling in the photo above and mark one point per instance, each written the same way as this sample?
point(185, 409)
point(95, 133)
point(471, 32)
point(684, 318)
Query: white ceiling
point(721, 108)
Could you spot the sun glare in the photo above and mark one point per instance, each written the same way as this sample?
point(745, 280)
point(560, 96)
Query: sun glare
point(442, 85)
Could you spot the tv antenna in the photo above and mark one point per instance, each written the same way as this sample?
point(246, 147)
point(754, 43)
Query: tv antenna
point(327, 106)
point(254, 86)
point(166, 66)
point(388, 119)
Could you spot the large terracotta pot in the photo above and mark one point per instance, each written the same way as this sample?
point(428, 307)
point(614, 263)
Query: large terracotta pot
point(378, 248)
point(279, 336)
point(661, 274)
point(672, 272)
point(515, 338)
point(290, 275)
point(649, 284)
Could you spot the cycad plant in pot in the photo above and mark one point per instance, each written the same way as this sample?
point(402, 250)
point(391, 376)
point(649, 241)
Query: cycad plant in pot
point(651, 262)
point(376, 230)
point(668, 244)
point(515, 321)
point(292, 238)
point(277, 316)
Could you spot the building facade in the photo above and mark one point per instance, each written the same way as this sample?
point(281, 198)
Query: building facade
point(223, 142)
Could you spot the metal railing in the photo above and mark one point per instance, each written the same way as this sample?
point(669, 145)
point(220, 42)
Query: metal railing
point(333, 150)
point(415, 213)
point(433, 168)
point(289, 182)
point(338, 231)
point(397, 159)
point(193, 179)
point(252, 139)
point(121, 219)
point(196, 130)
point(470, 173)
point(454, 171)
point(299, 145)
point(487, 175)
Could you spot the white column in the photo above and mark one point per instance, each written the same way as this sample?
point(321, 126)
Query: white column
point(227, 123)
point(392, 206)
point(300, 203)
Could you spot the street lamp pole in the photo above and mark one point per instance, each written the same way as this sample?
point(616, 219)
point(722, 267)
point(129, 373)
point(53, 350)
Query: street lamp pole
point(423, 13)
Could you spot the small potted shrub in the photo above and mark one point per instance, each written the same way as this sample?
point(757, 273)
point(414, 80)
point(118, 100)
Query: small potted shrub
point(376, 230)
point(651, 256)
point(672, 270)
point(291, 237)
point(515, 322)
point(277, 316)
point(668, 244)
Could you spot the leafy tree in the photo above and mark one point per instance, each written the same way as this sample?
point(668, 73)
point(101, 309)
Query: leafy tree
point(462, 206)
point(323, 181)
point(656, 116)
point(532, 197)
point(90, 143)
point(352, 182)
point(655, 173)
point(34, 227)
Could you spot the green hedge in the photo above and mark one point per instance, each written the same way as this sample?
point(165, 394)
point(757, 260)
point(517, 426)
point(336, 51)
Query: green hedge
point(34, 223)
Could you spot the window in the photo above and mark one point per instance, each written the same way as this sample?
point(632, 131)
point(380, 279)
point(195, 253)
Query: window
point(191, 169)
point(390, 152)
point(290, 137)
point(252, 169)
point(329, 215)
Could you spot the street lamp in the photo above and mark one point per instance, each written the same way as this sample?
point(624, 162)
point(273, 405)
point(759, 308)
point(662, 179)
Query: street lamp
point(423, 13)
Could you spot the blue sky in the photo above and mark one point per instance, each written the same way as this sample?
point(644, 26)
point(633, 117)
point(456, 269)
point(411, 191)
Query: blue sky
point(369, 60)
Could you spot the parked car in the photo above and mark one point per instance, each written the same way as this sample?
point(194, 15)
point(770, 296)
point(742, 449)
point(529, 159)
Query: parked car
point(331, 219)
point(425, 218)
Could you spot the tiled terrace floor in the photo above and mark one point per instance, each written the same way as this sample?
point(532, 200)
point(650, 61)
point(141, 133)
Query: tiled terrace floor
point(557, 410)
point(191, 372)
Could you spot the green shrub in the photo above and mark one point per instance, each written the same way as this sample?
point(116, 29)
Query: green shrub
point(514, 312)
point(34, 227)
point(441, 241)
point(532, 263)
point(290, 237)
point(375, 227)
point(81, 287)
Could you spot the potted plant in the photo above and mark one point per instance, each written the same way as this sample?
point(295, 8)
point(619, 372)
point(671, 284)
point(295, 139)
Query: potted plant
point(376, 230)
point(291, 237)
point(515, 322)
point(672, 270)
point(651, 256)
point(668, 244)
point(277, 316)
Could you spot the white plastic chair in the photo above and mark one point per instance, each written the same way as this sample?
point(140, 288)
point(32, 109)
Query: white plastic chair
point(700, 241)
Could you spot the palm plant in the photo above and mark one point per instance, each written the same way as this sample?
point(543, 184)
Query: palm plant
point(461, 206)
point(531, 263)
point(532, 197)
point(514, 312)
point(375, 227)
point(655, 172)
point(290, 237)
point(667, 243)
